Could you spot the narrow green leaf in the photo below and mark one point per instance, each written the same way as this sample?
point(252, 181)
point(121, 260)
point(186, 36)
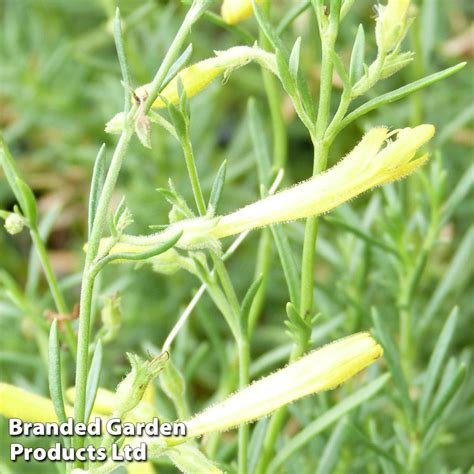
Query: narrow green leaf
point(327, 419)
point(97, 182)
point(248, 301)
point(463, 118)
point(10, 168)
point(392, 358)
point(153, 252)
point(178, 65)
point(162, 122)
point(451, 278)
point(172, 383)
point(27, 202)
point(294, 62)
point(356, 68)
point(299, 327)
point(179, 121)
point(217, 187)
point(458, 194)
point(373, 445)
point(284, 74)
point(331, 454)
point(264, 171)
point(436, 361)
point(119, 45)
point(34, 263)
point(93, 380)
point(429, 26)
point(256, 443)
point(398, 94)
point(260, 144)
point(341, 70)
point(445, 397)
point(54, 376)
point(361, 234)
point(290, 16)
point(268, 30)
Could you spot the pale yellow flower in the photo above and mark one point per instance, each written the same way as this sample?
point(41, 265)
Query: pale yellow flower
point(18, 403)
point(197, 76)
point(363, 168)
point(368, 165)
point(234, 11)
point(320, 370)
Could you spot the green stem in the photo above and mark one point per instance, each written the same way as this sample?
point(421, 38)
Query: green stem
point(261, 268)
point(54, 287)
point(280, 152)
point(193, 175)
point(273, 94)
point(82, 362)
point(244, 363)
point(227, 285)
point(328, 38)
point(408, 290)
point(417, 72)
point(102, 209)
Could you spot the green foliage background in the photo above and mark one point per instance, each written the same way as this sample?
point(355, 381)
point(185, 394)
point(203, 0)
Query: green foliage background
point(59, 84)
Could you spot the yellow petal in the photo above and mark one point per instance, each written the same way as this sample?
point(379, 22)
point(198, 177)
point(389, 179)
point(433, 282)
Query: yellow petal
point(234, 11)
point(18, 403)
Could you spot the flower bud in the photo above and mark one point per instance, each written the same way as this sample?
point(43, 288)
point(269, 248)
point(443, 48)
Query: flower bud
point(14, 224)
point(320, 370)
point(392, 24)
point(115, 125)
point(111, 316)
point(198, 76)
point(131, 389)
point(234, 11)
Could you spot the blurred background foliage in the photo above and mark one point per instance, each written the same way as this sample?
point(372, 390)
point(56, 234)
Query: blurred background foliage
point(59, 84)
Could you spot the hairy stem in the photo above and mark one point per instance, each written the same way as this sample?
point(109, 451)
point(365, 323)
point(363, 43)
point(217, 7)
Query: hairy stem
point(87, 286)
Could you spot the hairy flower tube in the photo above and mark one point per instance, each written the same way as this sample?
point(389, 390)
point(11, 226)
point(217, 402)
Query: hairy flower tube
point(197, 76)
point(365, 167)
point(318, 371)
point(234, 11)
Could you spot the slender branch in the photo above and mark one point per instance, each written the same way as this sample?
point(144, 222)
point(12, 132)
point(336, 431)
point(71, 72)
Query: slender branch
point(87, 287)
point(54, 287)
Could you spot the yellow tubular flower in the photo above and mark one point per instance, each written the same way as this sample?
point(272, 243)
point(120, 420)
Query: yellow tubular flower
point(18, 403)
point(234, 11)
point(365, 167)
point(320, 370)
point(197, 76)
